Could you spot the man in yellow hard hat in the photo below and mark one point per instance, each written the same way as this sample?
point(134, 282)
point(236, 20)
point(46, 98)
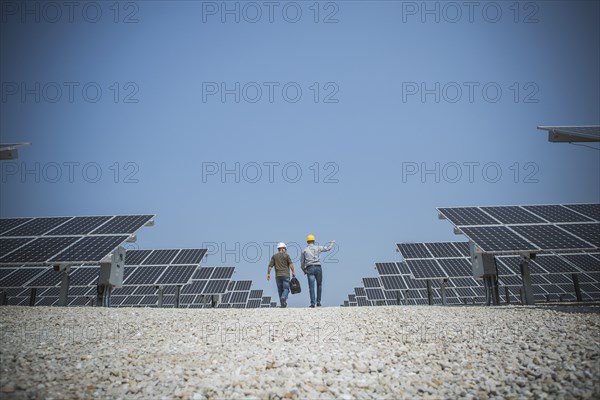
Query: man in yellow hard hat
point(282, 263)
point(310, 261)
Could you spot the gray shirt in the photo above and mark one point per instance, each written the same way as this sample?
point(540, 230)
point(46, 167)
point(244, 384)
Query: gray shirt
point(311, 254)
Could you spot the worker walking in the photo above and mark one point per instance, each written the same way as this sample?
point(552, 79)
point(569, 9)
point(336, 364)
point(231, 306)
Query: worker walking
point(310, 262)
point(282, 263)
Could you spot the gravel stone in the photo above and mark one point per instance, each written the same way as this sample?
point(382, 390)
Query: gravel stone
point(345, 353)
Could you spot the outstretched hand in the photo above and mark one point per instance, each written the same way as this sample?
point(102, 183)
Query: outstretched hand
point(268, 277)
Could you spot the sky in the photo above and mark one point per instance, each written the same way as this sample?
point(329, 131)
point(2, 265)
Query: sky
point(243, 124)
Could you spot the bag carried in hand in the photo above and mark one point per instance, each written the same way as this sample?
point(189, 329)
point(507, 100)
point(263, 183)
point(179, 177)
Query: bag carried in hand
point(295, 286)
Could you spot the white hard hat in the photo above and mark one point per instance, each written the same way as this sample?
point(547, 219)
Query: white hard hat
point(280, 245)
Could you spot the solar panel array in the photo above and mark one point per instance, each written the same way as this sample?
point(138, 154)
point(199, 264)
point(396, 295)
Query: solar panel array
point(536, 228)
point(73, 240)
point(405, 283)
point(170, 273)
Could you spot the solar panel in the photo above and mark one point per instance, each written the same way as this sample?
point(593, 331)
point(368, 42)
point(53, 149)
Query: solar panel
point(352, 298)
point(425, 269)
point(131, 300)
point(465, 282)
point(37, 226)
point(465, 216)
point(456, 266)
point(375, 294)
point(79, 301)
point(241, 297)
point(557, 213)
point(46, 301)
point(512, 215)
point(389, 268)
point(123, 224)
point(176, 275)
point(190, 256)
point(89, 249)
point(508, 265)
point(243, 285)
point(254, 303)
point(196, 287)
point(161, 257)
point(538, 280)
point(363, 302)
point(552, 264)
point(82, 291)
point(559, 279)
point(392, 282)
point(589, 210)
point(20, 277)
point(371, 282)
point(77, 226)
point(7, 224)
point(48, 292)
point(36, 251)
point(144, 275)
point(84, 276)
point(203, 273)
point(266, 300)
point(588, 232)
point(46, 279)
point(510, 280)
point(135, 257)
point(549, 237)
point(223, 273)
point(216, 286)
point(497, 239)
point(145, 290)
point(256, 294)
point(463, 248)
point(360, 291)
point(414, 283)
point(585, 262)
point(443, 249)
point(413, 250)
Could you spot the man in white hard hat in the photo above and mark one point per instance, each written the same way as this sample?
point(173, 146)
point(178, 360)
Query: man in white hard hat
point(282, 263)
point(310, 262)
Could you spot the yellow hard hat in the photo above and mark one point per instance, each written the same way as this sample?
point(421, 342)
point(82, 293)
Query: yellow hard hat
point(310, 238)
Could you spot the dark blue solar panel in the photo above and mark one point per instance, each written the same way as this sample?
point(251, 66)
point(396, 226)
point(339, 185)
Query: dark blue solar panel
point(37, 226)
point(78, 226)
point(467, 216)
point(123, 224)
point(413, 250)
point(90, 249)
point(497, 238)
point(39, 250)
point(557, 213)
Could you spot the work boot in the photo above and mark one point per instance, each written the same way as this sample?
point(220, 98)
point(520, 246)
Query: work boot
point(283, 302)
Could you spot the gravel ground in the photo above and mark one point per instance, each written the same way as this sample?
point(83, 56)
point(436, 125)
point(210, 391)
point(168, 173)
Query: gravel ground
point(371, 352)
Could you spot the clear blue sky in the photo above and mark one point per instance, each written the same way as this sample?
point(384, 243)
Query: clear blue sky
point(375, 61)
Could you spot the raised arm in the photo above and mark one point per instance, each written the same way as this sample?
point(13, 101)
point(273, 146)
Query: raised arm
point(327, 247)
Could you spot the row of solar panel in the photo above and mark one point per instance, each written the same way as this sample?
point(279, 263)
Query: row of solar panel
point(72, 226)
point(432, 268)
point(75, 240)
point(519, 215)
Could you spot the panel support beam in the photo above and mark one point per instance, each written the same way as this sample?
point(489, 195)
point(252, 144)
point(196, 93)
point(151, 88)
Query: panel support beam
point(526, 278)
point(32, 296)
point(429, 292)
point(63, 298)
point(575, 278)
